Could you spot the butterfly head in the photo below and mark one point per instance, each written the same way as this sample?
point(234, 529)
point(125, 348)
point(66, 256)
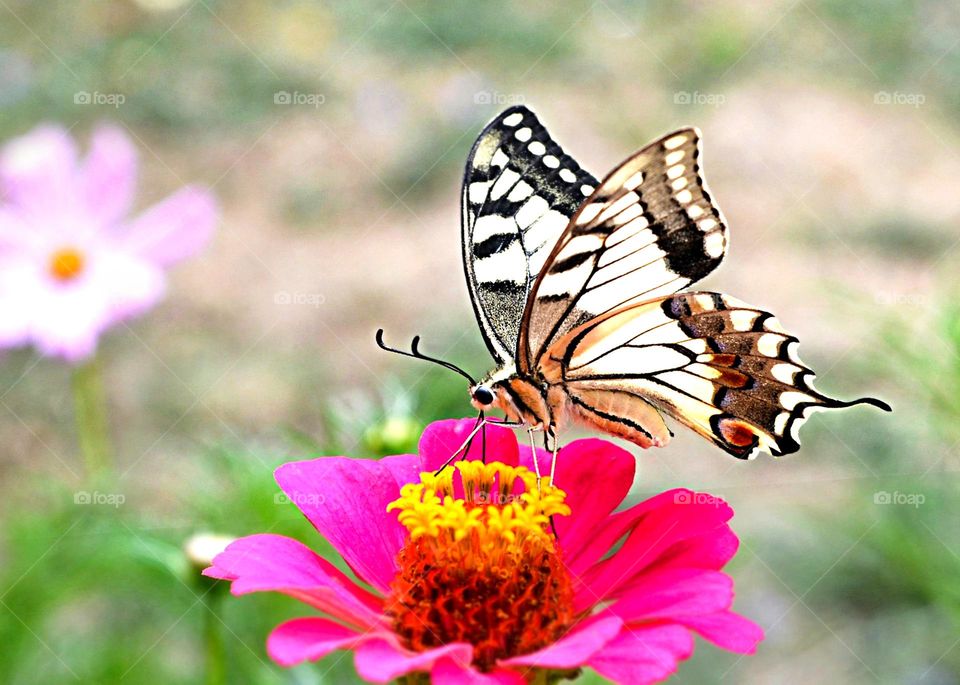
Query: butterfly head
point(483, 396)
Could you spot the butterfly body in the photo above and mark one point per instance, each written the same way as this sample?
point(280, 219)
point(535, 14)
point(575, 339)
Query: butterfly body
point(576, 284)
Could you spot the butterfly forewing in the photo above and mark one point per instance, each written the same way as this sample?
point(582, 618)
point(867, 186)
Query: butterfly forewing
point(723, 368)
point(519, 192)
point(649, 229)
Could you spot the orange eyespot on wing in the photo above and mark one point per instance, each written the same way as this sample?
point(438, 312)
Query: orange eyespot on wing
point(737, 433)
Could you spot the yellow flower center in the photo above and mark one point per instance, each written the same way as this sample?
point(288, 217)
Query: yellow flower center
point(481, 564)
point(66, 263)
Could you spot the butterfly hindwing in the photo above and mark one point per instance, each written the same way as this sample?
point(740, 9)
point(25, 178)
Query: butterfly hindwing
point(519, 192)
point(649, 229)
point(721, 367)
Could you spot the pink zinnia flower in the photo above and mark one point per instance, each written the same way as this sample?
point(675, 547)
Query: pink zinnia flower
point(469, 583)
point(71, 263)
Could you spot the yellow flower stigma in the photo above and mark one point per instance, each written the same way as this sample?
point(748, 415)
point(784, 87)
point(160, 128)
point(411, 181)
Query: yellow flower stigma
point(488, 509)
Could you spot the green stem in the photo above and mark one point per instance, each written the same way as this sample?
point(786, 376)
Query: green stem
point(91, 418)
point(213, 641)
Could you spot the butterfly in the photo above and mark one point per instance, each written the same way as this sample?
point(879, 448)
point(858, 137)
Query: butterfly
point(576, 284)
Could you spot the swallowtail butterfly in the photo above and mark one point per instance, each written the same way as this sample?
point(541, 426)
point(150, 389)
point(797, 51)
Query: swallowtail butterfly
point(576, 286)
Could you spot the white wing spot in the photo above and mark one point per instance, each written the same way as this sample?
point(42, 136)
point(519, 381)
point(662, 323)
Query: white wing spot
point(521, 191)
point(674, 157)
point(586, 190)
point(769, 344)
point(693, 211)
point(705, 302)
point(684, 197)
point(634, 181)
point(713, 244)
point(532, 210)
point(507, 265)
point(789, 400)
point(551, 161)
point(523, 134)
point(675, 142)
point(537, 148)
point(784, 373)
point(675, 171)
point(589, 213)
point(742, 319)
point(679, 184)
point(478, 191)
point(513, 119)
point(504, 183)
point(568, 175)
point(708, 224)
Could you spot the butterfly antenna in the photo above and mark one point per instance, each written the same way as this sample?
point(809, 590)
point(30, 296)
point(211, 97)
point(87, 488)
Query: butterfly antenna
point(415, 353)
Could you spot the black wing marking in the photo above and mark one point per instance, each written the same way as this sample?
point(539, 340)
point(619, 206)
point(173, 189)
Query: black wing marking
point(648, 230)
point(519, 192)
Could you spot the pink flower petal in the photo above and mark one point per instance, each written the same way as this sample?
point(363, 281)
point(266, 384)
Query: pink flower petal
point(382, 660)
point(346, 501)
point(108, 175)
point(643, 655)
point(708, 551)
point(129, 286)
point(674, 592)
point(449, 672)
point(173, 229)
point(14, 232)
point(37, 170)
point(309, 639)
point(674, 517)
point(67, 319)
point(405, 468)
point(575, 648)
point(18, 284)
point(442, 438)
point(612, 530)
point(273, 563)
point(727, 630)
point(596, 475)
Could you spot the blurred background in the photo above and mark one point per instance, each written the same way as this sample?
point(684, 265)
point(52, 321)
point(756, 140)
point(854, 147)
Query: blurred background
point(334, 135)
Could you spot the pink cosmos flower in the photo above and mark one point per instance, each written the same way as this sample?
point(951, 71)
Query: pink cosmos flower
point(470, 585)
point(71, 263)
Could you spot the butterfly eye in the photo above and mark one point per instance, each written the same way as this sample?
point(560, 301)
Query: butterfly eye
point(483, 395)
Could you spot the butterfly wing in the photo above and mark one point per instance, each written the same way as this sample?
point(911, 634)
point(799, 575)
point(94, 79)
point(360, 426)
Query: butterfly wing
point(520, 191)
point(721, 367)
point(649, 229)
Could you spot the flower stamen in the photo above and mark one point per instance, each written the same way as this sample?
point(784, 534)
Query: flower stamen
point(481, 564)
point(66, 264)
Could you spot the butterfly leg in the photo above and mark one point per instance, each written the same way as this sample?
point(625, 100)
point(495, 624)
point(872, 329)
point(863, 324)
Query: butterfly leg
point(480, 425)
point(477, 427)
point(553, 451)
point(533, 453)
